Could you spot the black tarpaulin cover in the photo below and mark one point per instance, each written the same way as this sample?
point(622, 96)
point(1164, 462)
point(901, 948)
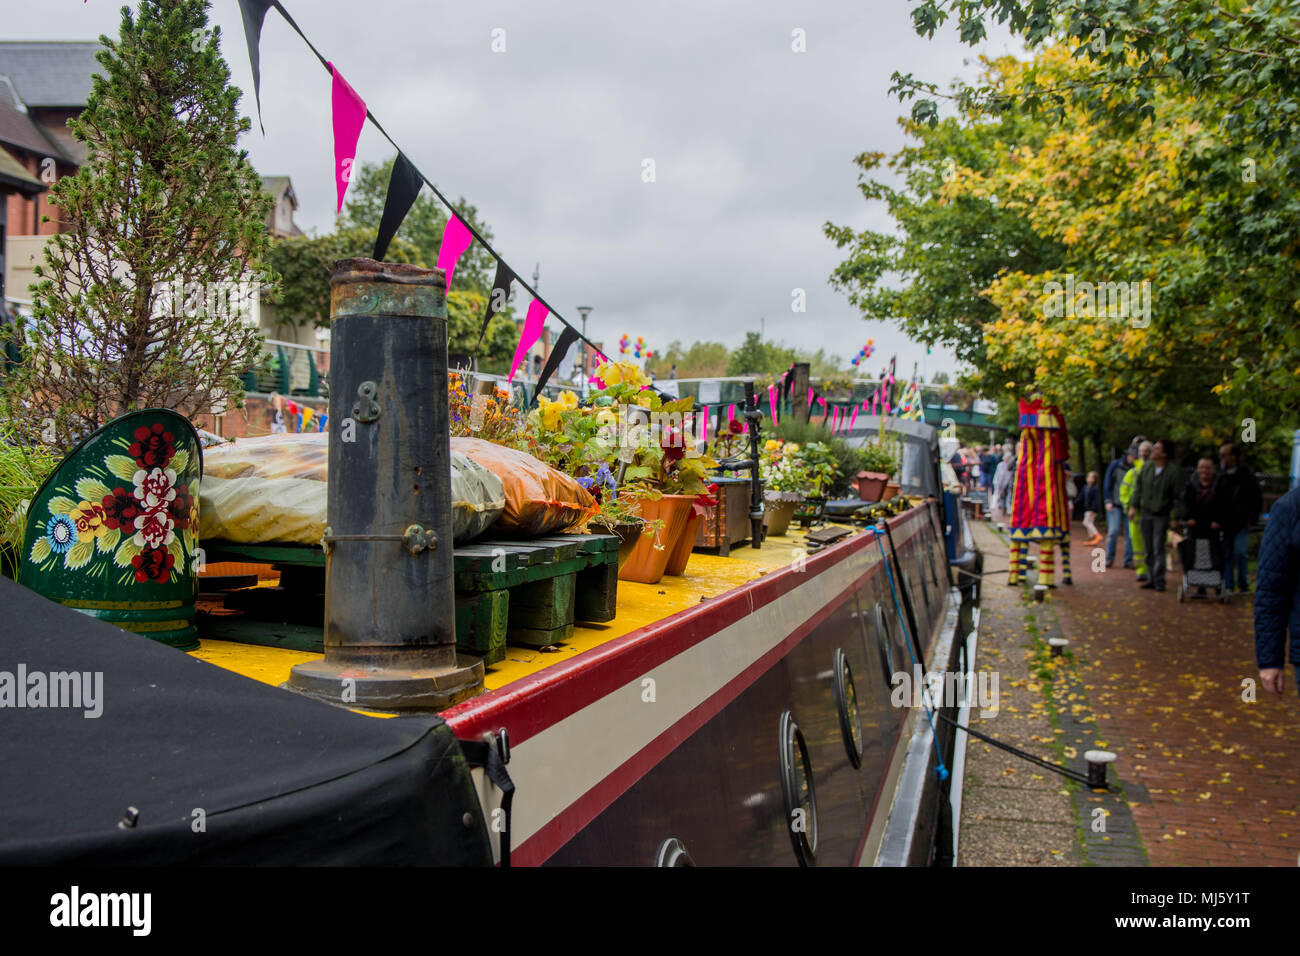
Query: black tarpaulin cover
point(277, 778)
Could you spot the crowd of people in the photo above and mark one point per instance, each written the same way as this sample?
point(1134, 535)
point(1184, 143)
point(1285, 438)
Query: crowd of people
point(1144, 495)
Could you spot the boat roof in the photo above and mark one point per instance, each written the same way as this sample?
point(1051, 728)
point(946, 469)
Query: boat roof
point(272, 776)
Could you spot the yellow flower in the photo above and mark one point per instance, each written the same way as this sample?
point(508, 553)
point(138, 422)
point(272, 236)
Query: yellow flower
point(567, 400)
point(771, 445)
point(89, 519)
point(791, 448)
point(610, 373)
point(550, 413)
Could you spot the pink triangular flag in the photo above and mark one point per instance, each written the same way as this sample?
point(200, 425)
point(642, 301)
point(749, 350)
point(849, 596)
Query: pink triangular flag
point(810, 396)
point(854, 420)
point(731, 415)
point(771, 397)
point(349, 117)
point(455, 240)
point(533, 324)
point(704, 432)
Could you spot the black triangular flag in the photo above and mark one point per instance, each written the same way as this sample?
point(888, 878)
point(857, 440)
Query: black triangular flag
point(498, 297)
point(403, 186)
point(254, 12)
point(558, 351)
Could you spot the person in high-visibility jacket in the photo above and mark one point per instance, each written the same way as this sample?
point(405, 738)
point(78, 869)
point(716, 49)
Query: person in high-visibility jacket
point(1126, 496)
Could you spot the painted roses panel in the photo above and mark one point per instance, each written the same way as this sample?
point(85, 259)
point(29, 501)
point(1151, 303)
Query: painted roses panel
point(135, 517)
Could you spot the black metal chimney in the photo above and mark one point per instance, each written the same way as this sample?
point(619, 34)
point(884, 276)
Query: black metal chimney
point(390, 630)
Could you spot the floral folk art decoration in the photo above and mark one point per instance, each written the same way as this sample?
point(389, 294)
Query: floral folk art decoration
point(114, 531)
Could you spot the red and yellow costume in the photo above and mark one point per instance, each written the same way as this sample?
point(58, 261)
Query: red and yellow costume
point(1039, 507)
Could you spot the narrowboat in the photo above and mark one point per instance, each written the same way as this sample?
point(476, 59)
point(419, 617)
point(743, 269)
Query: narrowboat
point(746, 712)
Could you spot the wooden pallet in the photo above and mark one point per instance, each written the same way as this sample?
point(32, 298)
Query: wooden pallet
point(521, 591)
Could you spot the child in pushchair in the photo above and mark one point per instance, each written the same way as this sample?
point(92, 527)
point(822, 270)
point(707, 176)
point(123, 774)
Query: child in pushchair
point(1203, 515)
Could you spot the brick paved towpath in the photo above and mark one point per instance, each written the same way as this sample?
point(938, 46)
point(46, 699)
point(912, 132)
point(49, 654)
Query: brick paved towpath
point(1217, 777)
point(1204, 777)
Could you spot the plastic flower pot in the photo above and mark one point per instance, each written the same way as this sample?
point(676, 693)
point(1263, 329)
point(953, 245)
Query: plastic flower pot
point(647, 563)
point(779, 508)
point(810, 511)
point(628, 533)
point(871, 485)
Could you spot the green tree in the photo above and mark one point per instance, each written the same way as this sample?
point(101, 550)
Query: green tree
point(422, 227)
point(701, 360)
point(305, 263)
point(165, 197)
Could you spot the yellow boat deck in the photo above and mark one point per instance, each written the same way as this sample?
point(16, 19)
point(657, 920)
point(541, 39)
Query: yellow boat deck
point(706, 576)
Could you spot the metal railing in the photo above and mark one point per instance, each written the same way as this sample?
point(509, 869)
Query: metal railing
point(290, 369)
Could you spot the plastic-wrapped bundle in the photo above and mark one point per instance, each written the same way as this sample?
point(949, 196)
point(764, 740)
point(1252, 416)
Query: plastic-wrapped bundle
point(539, 499)
point(272, 490)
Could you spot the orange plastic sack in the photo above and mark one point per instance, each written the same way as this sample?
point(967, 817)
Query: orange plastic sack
point(539, 499)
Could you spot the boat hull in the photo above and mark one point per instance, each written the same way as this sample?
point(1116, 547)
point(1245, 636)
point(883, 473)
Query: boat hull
point(674, 732)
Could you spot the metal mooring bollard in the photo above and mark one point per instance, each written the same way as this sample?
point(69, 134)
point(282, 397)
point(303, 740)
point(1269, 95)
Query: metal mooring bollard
point(1040, 592)
point(1097, 760)
point(1058, 645)
point(390, 629)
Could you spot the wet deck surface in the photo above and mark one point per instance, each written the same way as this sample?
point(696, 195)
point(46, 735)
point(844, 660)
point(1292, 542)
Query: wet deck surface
point(1206, 777)
point(706, 576)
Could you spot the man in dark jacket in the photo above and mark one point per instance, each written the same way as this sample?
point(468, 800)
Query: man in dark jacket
point(1114, 510)
point(1155, 494)
point(1277, 592)
point(1244, 502)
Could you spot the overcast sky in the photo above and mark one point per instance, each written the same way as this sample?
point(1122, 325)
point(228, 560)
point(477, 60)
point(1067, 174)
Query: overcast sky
point(752, 142)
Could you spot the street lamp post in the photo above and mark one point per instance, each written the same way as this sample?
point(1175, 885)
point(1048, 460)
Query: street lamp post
point(584, 311)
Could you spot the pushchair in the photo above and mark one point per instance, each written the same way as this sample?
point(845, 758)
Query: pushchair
point(1202, 561)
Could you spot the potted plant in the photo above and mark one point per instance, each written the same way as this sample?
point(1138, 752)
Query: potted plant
point(878, 463)
point(655, 471)
point(784, 481)
point(817, 461)
point(618, 514)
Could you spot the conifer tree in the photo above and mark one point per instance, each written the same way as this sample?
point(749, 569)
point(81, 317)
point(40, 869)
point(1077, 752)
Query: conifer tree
point(143, 300)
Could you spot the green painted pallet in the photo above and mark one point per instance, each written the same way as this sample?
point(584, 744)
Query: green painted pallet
point(520, 591)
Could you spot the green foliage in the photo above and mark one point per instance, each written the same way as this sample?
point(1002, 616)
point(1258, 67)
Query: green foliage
point(422, 227)
point(22, 471)
point(828, 449)
point(879, 458)
point(701, 360)
point(1181, 166)
point(756, 357)
point(165, 196)
point(305, 263)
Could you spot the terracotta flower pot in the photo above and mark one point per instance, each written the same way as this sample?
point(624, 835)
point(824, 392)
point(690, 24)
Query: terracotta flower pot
point(680, 550)
point(647, 563)
point(871, 485)
point(891, 490)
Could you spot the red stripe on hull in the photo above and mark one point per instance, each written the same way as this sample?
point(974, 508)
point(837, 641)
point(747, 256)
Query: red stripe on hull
point(534, 703)
point(563, 828)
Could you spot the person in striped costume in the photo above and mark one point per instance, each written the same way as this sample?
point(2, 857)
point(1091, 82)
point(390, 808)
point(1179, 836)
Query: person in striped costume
point(1039, 507)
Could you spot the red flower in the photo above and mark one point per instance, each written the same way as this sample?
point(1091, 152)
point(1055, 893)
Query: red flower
point(180, 506)
point(153, 447)
point(671, 443)
point(153, 564)
point(120, 510)
point(735, 426)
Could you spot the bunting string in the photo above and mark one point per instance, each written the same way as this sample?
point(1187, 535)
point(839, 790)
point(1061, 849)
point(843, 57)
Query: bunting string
point(253, 14)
